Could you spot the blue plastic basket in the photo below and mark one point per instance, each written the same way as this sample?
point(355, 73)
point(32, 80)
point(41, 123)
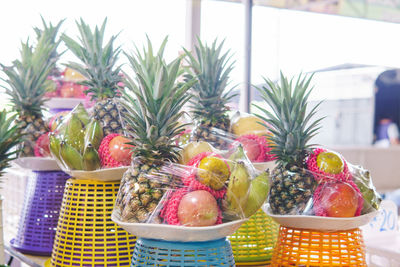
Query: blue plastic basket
point(150, 252)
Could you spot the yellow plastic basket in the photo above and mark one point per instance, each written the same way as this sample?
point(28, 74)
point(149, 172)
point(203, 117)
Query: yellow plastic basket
point(254, 241)
point(86, 236)
point(297, 247)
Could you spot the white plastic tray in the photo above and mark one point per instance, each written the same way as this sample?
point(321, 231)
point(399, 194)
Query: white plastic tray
point(103, 175)
point(179, 233)
point(37, 163)
point(262, 166)
point(63, 103)
point(320, 223)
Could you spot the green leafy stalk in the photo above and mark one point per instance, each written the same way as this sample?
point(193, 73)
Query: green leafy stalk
point(153, 100)
point(211, 68)
point(291, 125)
point(98, 60)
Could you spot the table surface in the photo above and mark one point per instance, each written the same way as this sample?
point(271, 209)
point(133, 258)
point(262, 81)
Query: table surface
point(34, 261)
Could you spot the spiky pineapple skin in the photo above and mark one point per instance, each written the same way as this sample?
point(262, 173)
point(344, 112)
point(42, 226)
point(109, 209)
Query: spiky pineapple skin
point(291, 190)
point(203, 131)
point(32, 127)
point(107, 112)
point(141, 191)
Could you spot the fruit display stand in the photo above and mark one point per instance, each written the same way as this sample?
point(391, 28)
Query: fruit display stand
point(85, 235)
point(58, 104)
point(150, 252)
point(254, 241)
point(173, 245)
point(300, 247)
point(42, 200)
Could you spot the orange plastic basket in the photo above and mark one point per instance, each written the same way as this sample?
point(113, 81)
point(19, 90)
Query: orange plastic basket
point(297, 247)
point(85, 235)
point(254, 241)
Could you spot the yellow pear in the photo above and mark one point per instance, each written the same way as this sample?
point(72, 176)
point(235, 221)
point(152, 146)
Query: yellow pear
point(249, 125)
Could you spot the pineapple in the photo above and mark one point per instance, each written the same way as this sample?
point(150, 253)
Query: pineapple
point(99, 66)
point(9, 138)
point(27, 84)
point(153, 102)
point(211, 68)
point(292, 186)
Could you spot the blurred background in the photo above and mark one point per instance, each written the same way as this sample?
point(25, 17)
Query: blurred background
point(347, 43)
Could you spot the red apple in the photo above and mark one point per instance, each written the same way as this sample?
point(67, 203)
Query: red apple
point(339, 200)
point(198, 208)
point(42, 146)
point(67, 90)
point(120, 150)
point(252, 148)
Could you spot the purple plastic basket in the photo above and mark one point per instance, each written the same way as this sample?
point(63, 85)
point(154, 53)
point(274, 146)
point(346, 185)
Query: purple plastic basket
point(39, 216)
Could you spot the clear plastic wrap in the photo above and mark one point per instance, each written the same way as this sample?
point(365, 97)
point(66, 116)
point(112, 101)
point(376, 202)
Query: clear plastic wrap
point(328, 186)
point(256, 147)
point(209, 190)
point(79, 143)
point(66, 84)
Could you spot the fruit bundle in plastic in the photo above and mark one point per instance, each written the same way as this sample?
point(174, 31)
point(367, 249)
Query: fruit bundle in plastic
point(328, 186)
point(208, 190)
point(66, 84)
point(79, 143)
point(246, 130)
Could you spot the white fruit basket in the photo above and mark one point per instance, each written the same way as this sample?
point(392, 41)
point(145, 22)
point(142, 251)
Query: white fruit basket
point(37, 163)
point(179, 233)
point(102, 175)
point(63, 103)
point(320, 223)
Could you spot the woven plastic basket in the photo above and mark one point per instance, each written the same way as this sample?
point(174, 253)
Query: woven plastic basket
point(253, 243)
point(296, 247)
point(86, 236)
point(150, 252)
point(39, 216)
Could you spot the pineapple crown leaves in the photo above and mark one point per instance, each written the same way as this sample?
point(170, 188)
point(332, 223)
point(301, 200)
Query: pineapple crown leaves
point(50, 32)
point(289, 121)
point(211, 67)
point(9, 137)
point(99, 61)
point(27, 77)
point(153, 100)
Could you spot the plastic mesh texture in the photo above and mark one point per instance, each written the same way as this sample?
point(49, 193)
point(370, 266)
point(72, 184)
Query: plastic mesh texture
point(149, 252)
point(253, 243)
point(296, 247)
point(40, 211)
point(86, 236)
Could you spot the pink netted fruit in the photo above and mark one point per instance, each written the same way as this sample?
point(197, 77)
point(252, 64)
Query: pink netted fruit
point(338, 199)
point(193, 183)
point(327, 166)
point(191, 208)
point(42, 146)
point(256, 147)
point(114, 151)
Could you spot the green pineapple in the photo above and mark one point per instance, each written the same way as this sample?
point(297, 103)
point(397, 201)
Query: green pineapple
point(211, 68)
point(27, 85)
point(291, 126)
point(99, 66)
point(153, 102)
point(9, 138)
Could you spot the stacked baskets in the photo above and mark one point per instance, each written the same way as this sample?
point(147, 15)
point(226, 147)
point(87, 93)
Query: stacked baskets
point(41, 208)
point(253, 243)
point(86, 236)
